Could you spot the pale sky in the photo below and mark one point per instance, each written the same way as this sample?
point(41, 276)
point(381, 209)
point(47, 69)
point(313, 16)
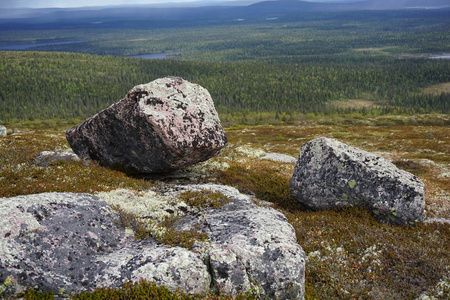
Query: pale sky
point(80, 3)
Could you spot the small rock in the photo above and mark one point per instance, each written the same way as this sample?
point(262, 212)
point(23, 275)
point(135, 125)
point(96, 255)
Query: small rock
point(3, 131)
point(279, 157)
point(160, 126)
point(46, 157)
point(331, 174)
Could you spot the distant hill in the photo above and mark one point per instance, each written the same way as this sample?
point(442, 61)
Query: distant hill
point(190, 14)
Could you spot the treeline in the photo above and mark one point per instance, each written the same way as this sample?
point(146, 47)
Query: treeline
point(49, 85)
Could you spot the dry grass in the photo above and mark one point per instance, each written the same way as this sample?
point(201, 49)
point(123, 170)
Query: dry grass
point(438, 89)
point(349, 254)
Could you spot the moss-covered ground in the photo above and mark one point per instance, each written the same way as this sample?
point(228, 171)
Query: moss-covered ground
point(349, 254)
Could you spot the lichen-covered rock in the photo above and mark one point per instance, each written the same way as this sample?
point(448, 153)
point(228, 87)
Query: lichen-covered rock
point(173, 267)
point(66, 243)
point(160, 126)
point(49, 241)
point(251, 247)
point(47, 157)
point(3, 131)
point(331, 174)
point(255, 247)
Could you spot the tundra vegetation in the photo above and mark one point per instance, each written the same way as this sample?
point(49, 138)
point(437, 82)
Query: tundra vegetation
point(276, 85)
point(349, 253)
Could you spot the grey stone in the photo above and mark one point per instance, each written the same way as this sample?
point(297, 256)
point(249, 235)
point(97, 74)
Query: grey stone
point(251, 247)
point(160, 126)
point(279, 157)
point(49, 241)
point(331, 174)
point(173, 267)
point(66, 243)
point(255, 247)
point(46, 157)
point(3, 131)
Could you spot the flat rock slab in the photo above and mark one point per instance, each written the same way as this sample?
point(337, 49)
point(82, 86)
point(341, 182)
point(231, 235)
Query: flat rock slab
point(279, 157)
point(45, 158)
point(164, 125)
point(67, 243)
point(331, 174)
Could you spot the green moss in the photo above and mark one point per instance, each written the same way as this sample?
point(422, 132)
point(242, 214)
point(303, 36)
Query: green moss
point(32, 294)
point(144, 290)
point(20, 176)
point(267, 180)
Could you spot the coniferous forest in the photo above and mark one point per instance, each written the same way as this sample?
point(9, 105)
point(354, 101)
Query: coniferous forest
point(307, 64)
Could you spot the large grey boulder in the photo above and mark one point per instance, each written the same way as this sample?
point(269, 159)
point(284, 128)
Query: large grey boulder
point(331, 174)
point(3, 131)
point(253, 247)
point(66, 243)
point(160, 126)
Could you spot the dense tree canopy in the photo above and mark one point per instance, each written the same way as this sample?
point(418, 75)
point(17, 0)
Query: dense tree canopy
point(300, 65)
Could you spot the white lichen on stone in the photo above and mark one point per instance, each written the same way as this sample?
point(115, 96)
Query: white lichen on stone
point(250, 152)
point(150, 205)
point(208, 166)
point(279, 157)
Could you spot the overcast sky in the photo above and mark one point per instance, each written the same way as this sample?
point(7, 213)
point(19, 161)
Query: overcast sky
point(79, 3)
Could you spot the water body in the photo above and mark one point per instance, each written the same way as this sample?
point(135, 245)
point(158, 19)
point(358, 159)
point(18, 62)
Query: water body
point(427, 56)
point(27, 46)
point(156, 55)
point(442, 56)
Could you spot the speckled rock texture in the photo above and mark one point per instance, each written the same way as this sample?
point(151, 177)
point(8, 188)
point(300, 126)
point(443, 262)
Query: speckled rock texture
point(331, 174)
point(160, 126)
point(3, 131)
point(252, 247)
point(66, 243)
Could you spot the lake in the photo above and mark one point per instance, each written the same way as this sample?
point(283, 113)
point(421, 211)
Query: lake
point(441, 56)
point(27, 46)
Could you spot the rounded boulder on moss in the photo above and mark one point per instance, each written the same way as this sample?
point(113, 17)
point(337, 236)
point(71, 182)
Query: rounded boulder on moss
point(164, 125)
